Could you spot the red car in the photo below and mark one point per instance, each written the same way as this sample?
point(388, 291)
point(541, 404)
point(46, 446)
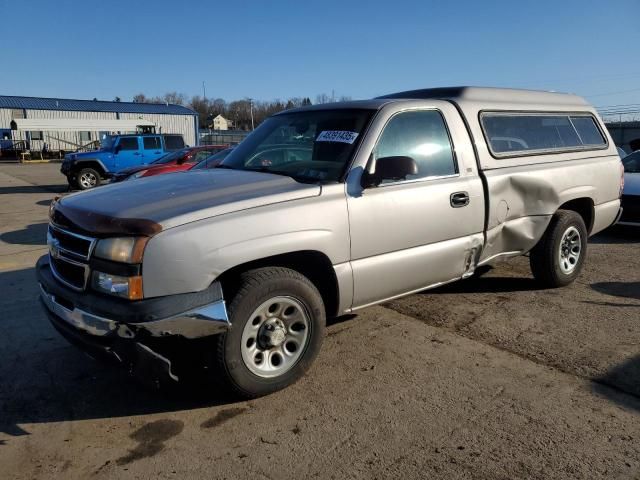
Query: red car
point(177, 161)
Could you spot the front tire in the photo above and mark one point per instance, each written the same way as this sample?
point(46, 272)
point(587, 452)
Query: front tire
point(559, 256)
point(277, 326)
point(87, 178)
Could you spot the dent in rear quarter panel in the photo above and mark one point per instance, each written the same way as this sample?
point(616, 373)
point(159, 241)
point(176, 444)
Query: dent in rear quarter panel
point(187, 258)
point(522, 199)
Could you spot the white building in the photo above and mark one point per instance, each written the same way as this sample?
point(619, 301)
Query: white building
point(64, 124)
point(221, 123)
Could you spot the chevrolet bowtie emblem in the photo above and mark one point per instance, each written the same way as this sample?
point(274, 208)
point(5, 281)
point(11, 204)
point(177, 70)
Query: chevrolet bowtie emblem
point(54, 246)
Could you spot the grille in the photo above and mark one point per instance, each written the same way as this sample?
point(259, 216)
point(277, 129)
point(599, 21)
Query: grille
point(69, 255)
point(72, 243)
point(70, 273)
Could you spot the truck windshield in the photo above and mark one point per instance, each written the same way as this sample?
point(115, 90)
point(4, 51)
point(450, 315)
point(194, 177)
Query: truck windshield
point(313, 145)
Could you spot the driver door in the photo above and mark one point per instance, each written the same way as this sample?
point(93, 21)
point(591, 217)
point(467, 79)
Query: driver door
point(418, 231)
point(128, 153)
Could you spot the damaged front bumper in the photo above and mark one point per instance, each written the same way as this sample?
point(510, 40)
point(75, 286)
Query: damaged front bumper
point(129, 332)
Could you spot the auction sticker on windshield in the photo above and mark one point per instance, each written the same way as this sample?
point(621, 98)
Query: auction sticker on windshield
point(341, 136)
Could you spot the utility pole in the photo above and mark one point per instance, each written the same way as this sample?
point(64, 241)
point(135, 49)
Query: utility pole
point(204, 91)
point(251, 112)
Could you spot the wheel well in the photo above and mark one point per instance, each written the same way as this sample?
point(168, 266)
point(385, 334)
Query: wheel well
point(314, 265)
point(584, 207)
point(89, 164)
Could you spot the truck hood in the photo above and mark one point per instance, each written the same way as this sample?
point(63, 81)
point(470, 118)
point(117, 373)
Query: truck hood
point(90, 154)
point(152, 204)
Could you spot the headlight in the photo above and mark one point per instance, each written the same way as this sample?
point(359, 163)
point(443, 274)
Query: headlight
point(121, 249)
point(124, 287)
point(137, 175)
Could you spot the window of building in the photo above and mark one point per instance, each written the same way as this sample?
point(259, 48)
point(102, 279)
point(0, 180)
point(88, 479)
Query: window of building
point(151, 143)
point(36, 135)
point(509, 133)
point(85, 136)
point(129, 143)
point(421, 135)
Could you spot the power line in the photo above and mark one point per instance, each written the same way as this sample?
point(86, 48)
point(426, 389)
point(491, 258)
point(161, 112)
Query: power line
point(612, 93)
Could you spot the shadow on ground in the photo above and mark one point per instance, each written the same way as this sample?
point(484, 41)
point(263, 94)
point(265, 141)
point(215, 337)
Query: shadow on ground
point(479, 283)
point(618, 234)
point(35, 234)
point(34, 189)
point(618, 289)
point(621, 384)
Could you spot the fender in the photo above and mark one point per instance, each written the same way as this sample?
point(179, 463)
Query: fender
point(78, 163)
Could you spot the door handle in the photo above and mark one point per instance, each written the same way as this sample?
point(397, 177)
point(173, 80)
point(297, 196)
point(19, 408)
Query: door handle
point(136, 153)
point(459, 199)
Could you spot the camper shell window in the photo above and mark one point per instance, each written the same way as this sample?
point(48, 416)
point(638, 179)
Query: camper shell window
point(510, 134)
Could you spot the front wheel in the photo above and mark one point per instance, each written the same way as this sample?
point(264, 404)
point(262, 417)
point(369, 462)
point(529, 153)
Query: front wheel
point(558, 257)
point(87, 178)
point(277, 327)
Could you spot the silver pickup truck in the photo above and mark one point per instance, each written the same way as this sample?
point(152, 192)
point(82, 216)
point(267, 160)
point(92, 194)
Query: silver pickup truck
point(322, 211)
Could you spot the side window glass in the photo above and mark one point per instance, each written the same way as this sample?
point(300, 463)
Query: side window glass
point(199, 156)
point(151, 143)
point(129, 143)
point(421, 135)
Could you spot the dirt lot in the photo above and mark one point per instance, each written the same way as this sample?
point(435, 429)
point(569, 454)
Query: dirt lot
point(487, 378)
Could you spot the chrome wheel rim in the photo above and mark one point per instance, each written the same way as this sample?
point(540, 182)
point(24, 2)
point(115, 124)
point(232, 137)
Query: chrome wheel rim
point(570, 250)
point(88, 180)
point(275, 337)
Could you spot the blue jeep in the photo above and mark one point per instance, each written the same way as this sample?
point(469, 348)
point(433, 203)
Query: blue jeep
point(86, 170)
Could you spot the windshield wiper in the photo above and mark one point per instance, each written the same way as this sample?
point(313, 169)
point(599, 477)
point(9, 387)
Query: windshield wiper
point(220, 165)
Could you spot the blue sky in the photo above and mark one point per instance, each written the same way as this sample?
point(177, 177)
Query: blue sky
point(278, 49)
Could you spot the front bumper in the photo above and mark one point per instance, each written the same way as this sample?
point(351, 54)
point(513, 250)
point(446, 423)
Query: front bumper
point(128, 332)
point(65, 168)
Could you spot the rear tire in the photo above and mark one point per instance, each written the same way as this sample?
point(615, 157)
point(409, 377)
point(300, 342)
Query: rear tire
point(559, 256)
point(277, 326)
point(87, 178)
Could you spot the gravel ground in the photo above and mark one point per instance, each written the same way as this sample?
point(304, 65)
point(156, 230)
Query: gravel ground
point(487, 378)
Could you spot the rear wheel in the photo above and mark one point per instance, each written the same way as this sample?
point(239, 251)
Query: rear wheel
point(277, 327)
point(558, 257)
point(87, 178)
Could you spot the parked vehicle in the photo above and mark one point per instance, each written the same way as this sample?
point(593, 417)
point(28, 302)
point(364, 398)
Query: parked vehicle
point(631, 193)
point(214, 160)
point(179, 161)
point(391, 196)
point(117, 152)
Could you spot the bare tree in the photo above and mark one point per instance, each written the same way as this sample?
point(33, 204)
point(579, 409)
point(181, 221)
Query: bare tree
point(175, 98)
point(323, 98)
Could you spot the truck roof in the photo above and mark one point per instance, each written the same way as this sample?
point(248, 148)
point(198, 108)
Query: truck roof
point(486, 97)
point(492, 95)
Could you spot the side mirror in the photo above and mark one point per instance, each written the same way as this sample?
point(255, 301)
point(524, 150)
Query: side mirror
point(390, 168)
